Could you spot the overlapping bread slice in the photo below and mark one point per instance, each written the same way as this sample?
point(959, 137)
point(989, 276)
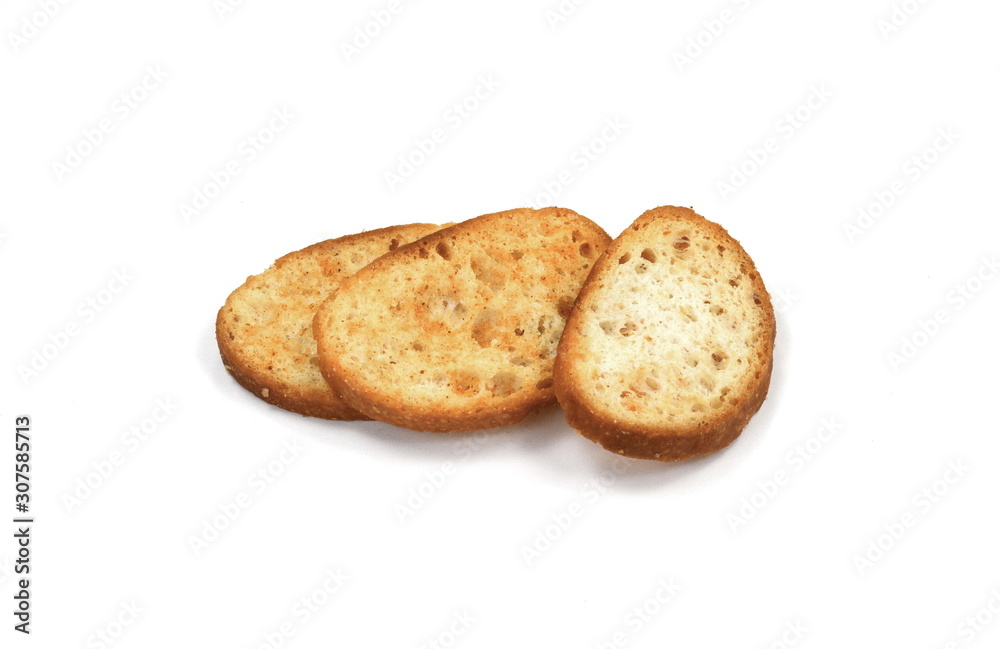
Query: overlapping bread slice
point(668, 351)
point(458, 330)
point(264, 330)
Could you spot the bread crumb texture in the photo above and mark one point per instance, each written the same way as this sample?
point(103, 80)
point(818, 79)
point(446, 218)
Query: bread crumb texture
point(672, 337)
point(264, 330)
point(459, 330)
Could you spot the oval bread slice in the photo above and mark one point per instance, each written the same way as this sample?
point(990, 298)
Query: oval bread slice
point(668, 351)
point(458, 331)
point(264, 330)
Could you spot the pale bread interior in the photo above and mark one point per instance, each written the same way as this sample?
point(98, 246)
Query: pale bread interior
point(673, 329)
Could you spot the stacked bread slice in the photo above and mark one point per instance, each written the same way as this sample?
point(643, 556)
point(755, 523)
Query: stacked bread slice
point(657, 344)
point(668, 352)
point(264, 330)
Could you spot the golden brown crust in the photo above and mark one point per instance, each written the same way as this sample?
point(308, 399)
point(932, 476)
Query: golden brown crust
point(303, 402)
point(235, 341)
point(660, 442)
point(390, 404)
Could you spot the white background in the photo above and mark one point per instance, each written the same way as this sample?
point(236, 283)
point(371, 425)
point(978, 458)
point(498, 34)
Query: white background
point(793, 557)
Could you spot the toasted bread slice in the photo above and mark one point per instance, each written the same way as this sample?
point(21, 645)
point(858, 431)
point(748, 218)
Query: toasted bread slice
point(458, 330)
point(668, 351)
point(264, 330)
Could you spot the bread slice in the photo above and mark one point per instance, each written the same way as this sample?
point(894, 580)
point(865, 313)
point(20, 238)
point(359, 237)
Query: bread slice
point(264, 330)
point(458, 331)
point(668, 351)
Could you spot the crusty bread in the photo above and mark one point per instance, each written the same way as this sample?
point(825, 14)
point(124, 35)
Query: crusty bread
point(264, 330)
point(458, 330)
point(668, 351)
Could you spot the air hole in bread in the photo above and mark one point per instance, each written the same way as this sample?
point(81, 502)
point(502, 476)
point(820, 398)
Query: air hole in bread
point(518, 332)
point(586, 249)
point(628, 329)
point(504, 384)
point(707, 383)
point(464, 382)
point(734, 282)
point(545, 383)
point(393, 244)
point(649, 255)
point(756, 299)
point(608, 326)
point(624, 258)
point(716, 310)
point(418, 347)
point(682, 244)
point(450, 308)
point(314, 361)
point(698, 407)
point(516, 254)
point(485, 327)
point(687, 313)
point(691, 360)
point(444, 250)
point(641, 268)
point(576, 236)
point(652, 383)
point(715, 403)
point(489, 272)
point(719, 359)
point(721, 249)
point(423, 253)
point(541, 325)
point(520, 361)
